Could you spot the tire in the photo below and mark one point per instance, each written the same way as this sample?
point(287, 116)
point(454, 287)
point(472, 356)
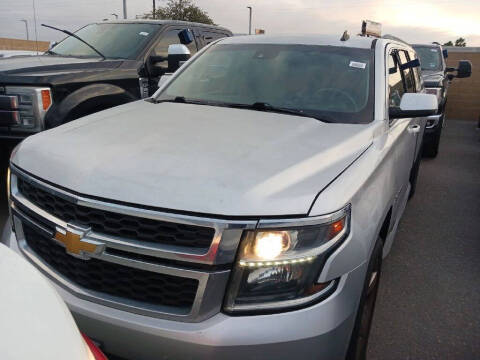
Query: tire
point(357, 349)
point(430, 149)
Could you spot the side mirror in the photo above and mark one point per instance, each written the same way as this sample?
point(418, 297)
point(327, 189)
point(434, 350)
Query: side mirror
point(464, 69)
point(52, 44)
point(449, 69)
point(185, 36)
point(415, 105)
point(177, 55)
point(445, 53)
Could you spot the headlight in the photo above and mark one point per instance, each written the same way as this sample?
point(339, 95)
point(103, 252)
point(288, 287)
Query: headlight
point(31, 106)
point(278, 268)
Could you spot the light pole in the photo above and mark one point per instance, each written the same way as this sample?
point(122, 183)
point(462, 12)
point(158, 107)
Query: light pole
point(124, 9)
point(116, 16)
point(153, 12)
point(249, 20)
point(26, 27)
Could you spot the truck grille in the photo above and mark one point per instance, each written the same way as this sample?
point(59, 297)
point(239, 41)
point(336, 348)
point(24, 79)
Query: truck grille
point(120, 225)
point(114, 279)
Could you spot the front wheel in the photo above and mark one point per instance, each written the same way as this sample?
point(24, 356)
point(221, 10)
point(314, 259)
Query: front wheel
point(357, 349)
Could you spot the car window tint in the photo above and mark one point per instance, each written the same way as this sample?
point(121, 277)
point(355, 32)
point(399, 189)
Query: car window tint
point(408, 73)
point(168, 38)
point(209, 36)
point(395, 83)
point(331, 82)
point(115, 41)
point(416, 72)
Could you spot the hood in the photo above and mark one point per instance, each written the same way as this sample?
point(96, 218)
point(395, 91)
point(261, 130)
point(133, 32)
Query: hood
point(48, 68)
point(433, 78)
point(201, 159)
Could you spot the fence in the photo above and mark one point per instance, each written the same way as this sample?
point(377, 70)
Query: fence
point(464, 94)
point(18, 44)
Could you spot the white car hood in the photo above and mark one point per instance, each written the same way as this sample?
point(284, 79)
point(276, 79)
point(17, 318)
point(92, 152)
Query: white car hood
point(201, 159)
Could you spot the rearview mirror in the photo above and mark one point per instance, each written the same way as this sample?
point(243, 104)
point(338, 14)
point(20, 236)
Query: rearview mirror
point(415, 105)
point(464, 69)
point(177, 55)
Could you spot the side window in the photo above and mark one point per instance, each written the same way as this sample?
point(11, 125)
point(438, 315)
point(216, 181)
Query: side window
point(170, 37)
point(395, 81)
point(408, 73)
point(416, 72)
point(209, 36)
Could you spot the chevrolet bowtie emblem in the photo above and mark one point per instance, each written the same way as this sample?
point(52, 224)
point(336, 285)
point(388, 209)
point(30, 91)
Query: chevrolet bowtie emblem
point(75, 242)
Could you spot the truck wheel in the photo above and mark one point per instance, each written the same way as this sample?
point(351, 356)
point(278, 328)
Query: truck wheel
point(431, 148)
point(357, 349)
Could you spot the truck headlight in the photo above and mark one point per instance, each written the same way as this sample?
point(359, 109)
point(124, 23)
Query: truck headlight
point(278, 268)
point(31, 106)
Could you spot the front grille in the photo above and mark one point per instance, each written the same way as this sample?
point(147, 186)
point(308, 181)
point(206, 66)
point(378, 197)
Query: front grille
point(114, 279)
point(110, 223)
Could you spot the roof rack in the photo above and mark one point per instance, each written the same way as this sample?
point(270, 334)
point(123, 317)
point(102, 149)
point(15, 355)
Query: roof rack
point(391, 37)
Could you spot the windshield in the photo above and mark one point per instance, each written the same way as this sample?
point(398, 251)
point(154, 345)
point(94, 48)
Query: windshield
point(115, 41)
point(330, 83)
point(430, 57)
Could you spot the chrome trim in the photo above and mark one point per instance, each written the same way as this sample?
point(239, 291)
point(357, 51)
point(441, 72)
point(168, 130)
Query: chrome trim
point(280, 305)
point(221, 251)
point(436, 120)
point(212, 283)
point(306, 221)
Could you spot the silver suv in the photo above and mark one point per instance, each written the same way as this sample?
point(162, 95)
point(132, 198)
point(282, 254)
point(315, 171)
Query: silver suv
point(242, 212)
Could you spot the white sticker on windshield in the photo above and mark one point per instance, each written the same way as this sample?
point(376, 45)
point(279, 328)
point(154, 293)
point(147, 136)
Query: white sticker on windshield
point(143, 33)
point(358, 65)
point(433, 50)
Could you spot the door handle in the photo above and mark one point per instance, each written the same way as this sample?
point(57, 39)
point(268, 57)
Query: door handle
point(414, 129)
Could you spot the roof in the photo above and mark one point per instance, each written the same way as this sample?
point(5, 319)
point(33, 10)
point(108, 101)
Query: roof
point(426, 45)
point(161, 22)
point(329, 40)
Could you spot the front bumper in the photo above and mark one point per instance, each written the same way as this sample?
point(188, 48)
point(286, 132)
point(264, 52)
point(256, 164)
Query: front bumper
point(433, 123)
point(321, 331)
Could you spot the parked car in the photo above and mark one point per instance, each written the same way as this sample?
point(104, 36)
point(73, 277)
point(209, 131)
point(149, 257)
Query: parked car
point(36, 324)
point(246, 217)
point(437, 76)
point(117, 62)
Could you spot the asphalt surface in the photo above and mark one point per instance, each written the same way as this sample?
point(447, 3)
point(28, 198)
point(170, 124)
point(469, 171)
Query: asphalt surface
point(428, 305)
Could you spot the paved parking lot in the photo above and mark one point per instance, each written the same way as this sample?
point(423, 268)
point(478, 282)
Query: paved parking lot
point(429, 298)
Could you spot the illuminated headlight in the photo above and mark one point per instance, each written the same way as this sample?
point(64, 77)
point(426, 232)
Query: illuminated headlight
point(278, 268)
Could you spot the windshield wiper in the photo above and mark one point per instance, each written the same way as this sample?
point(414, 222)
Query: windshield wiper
point(183, 100)
point(51, 52)
point(76, 37)
point(263, 106)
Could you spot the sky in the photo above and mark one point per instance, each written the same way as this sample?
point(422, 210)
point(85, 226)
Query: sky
point(415, 21)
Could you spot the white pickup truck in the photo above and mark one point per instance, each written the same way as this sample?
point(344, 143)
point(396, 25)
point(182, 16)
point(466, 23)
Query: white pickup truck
point(241, 212)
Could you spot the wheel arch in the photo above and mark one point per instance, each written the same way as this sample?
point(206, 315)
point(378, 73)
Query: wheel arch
point(86, 100)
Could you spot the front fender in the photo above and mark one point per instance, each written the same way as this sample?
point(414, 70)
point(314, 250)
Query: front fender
point(96, 95)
